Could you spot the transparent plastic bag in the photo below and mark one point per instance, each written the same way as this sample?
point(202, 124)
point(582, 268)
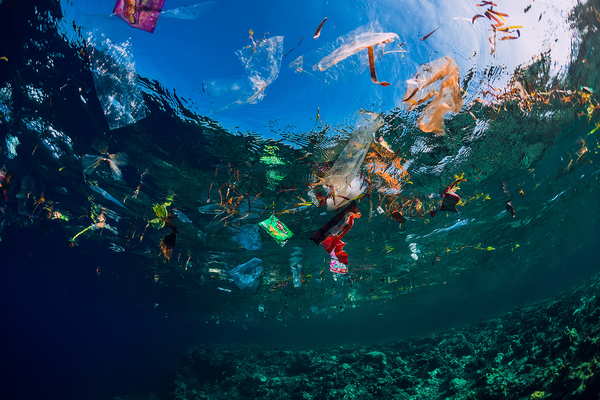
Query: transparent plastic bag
point(115, 78)
point(261, 62)
point(246, 274)
point(248, 237)
point(343, 58)
point(344, 176)
point(438, 78)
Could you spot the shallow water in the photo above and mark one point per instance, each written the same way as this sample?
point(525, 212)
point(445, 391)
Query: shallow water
point(225, 140)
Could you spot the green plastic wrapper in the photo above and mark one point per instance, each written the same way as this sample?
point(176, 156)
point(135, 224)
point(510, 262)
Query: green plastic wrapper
point(277, 230)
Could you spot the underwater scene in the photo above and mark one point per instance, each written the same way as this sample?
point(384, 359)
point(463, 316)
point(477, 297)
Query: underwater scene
point(378, 199)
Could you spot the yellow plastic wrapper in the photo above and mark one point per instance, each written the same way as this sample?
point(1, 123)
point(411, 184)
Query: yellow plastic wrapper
point(438, 78)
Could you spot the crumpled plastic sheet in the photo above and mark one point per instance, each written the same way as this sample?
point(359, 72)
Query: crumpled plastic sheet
point(344, 177)
point(343, 58)
point(188, 12)
point(141, 14)
point(113, 69)
point(248, 237)
point(438, 78)
point(261, 63)
point(246, 274)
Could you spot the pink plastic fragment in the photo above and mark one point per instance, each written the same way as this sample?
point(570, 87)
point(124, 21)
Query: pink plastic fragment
point(141, 14)
point(336, 266)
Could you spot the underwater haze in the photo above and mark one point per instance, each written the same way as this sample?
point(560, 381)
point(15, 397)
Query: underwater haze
point(299, 200)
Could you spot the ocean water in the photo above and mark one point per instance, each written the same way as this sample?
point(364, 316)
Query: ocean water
point(137, 169)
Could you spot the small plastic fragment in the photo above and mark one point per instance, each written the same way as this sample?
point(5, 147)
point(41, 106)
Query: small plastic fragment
point(182, 217)
point(318, 32)
point(277, 230)
point(296, 275)
point(116, 248)
point(91, 162)
point(449, 198)
point(106, 195)
point(397, 215)
point(439, 76)
point(245, 275)
point(510, 208)
point(140, 14)
point(330, 234)
point(344, 176)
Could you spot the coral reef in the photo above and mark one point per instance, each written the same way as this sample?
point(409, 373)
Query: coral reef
point(546, 351)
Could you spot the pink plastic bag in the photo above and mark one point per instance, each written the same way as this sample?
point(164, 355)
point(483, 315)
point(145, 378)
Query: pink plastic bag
point(141, 14)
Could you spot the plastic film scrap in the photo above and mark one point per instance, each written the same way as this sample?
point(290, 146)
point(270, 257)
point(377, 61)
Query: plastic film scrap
point(115, 79)
point(141, 14)
point(344, 58)
point(439, 76)
point(91, 162)
point(330, 235)
point(277, 230)
point(261, 64)
point(188, 12)
point(344, 177)
point(245, 275)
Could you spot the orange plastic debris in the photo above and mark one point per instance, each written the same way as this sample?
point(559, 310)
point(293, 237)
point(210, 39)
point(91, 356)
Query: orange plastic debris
point(440, 75)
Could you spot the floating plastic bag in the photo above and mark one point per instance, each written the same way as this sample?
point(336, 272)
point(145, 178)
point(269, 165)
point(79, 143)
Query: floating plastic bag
point(344, 57)
point(115, 79)
point(188, 12)
point(246, 274)
point(277, 230)
point(248, 237)
point(440, 75)
point(261, 62)
point(141, 14)
point(330, 234)
point(344, 176)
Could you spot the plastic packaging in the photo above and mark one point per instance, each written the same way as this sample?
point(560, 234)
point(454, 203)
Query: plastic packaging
point(261, 62)
point(330, 234)
point(140, 14)
point(439, 76)
point(344, 176)
point(115, 79)
point(277, 230)
point(336, 266)
point(246, 274)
